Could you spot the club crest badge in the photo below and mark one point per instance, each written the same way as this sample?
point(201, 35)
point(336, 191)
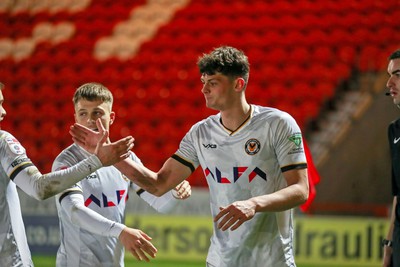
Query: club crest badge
point(252, 146)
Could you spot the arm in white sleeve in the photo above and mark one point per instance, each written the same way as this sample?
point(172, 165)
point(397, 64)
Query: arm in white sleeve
point(163, 204)
point(80, 215)
point(42, 186)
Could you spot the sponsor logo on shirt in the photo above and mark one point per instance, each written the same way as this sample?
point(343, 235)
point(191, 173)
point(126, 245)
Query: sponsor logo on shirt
point(252, 146)
point(105, 202)
point(237, 173)
point(209, 146)
point(92, 176)
point(17, 162)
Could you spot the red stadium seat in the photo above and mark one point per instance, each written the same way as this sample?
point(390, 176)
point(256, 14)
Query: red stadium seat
point(347, 54)
point(303, 48)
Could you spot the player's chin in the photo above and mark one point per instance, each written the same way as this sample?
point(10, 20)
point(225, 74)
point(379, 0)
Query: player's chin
point(210, 105)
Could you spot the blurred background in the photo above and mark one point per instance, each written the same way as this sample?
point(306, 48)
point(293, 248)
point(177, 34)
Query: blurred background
point(324, 62)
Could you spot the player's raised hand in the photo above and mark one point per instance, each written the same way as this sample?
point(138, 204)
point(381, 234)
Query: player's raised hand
point(235, 215)
point(138, 243)
point(182, 190)
point(112, 153)
point(87, 138)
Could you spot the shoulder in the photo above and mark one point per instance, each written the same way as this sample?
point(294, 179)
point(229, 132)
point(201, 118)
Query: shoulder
point(72, 149)
point(394, 127)
point(9, 142)
point(271, 114)
point(71, 154)
point(395, 123)
point(4, 135)
point(210, 121)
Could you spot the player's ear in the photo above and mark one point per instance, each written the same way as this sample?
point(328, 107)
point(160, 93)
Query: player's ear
point(112, 117)
point(239, 84)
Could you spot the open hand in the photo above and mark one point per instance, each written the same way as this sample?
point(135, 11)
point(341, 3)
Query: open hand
point(111, 153)
point(87, 138)
point(235, 215)
point(182, 190)
point(99, 143)
point(138, 243)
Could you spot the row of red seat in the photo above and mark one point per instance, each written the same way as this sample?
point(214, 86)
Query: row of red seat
point(300, 52)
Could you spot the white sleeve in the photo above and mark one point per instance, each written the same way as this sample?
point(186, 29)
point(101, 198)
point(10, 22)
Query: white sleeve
point(80, 215)
point(163, 204)
point(287, 141)
point(26, 176)
point(42, 186)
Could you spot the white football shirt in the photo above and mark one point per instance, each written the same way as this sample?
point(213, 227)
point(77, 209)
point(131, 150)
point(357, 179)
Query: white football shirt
point(17, 167)
point(92, 240)
point(247, 163)
point(14, 250)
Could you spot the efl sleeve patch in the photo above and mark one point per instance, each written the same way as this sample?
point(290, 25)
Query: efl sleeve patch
point(15, 146)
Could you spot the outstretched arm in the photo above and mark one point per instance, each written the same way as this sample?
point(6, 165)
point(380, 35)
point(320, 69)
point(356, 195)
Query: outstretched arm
point(158, 183)
point(26, 175)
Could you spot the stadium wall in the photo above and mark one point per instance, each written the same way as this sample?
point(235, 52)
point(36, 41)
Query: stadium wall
point(357, 172)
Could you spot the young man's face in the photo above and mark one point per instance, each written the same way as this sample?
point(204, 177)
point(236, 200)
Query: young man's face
point(87, 112)
point(393, 83)
point(218, 90)
point(2, 110)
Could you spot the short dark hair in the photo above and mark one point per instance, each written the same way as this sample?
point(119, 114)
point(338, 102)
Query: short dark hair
point(226, 60)
point(395, 54)
point(93, 91)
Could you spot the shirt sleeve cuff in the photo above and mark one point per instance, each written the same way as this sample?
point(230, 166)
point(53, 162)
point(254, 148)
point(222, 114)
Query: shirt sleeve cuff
point(116, 229)
point(95, 161)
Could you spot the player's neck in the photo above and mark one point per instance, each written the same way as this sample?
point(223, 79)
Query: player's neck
point(234, 119)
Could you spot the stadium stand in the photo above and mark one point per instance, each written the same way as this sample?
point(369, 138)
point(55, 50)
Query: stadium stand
point(302, 52)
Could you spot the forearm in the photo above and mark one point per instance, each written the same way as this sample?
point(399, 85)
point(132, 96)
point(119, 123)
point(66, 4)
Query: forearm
point(284, 199)
point(140, 175)
point(392, 219)
point(294, 194)
point(43, 186)
point(163, 204)
point(88, 219)
point(388, 250)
